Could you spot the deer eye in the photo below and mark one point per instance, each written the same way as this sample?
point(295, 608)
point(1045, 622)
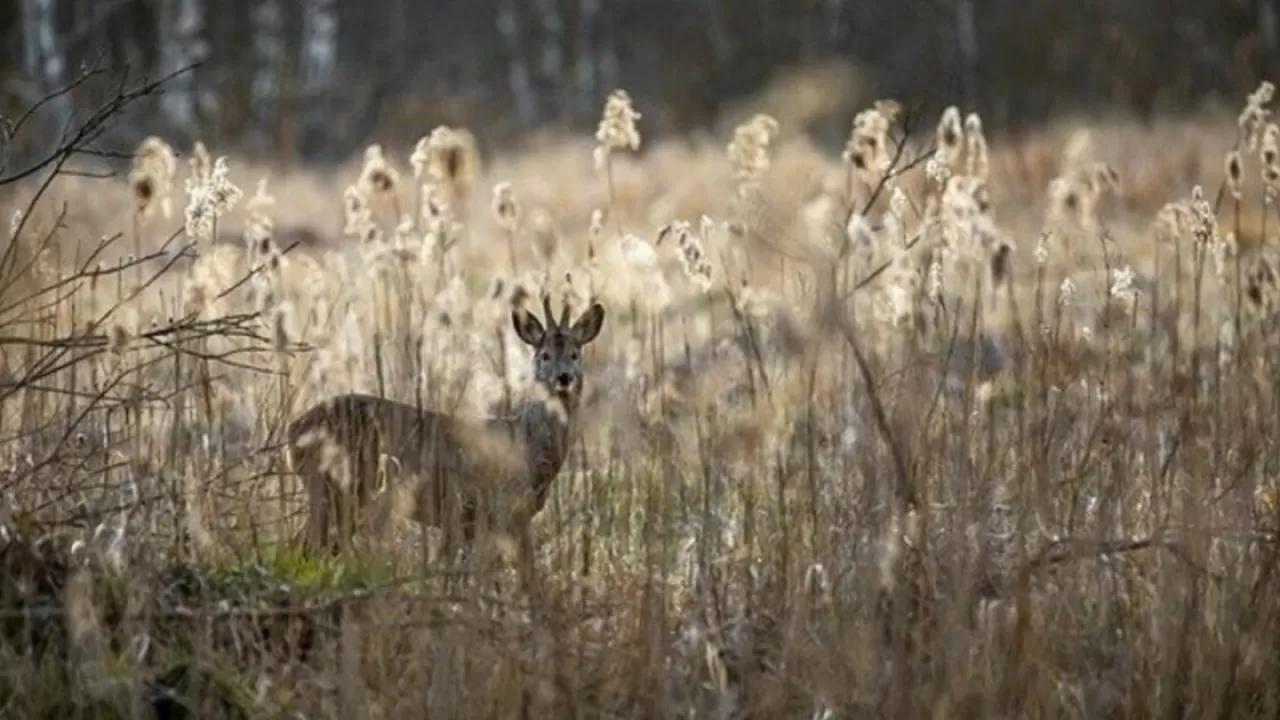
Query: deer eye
point(544, 356)
point(573, 355)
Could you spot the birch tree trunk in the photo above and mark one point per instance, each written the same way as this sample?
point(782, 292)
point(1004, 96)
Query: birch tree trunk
point(551, 52)
point(182, 44)
point(319, 61)
point(267, 50)
point(967, 42)
point(519, 82)
point(587, 61)
point(43, 60)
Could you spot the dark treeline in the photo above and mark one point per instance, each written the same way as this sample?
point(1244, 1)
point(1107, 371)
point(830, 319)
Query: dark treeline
point(314, 80)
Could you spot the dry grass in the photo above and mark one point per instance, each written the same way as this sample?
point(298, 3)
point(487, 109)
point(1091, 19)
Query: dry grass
point(989, 432)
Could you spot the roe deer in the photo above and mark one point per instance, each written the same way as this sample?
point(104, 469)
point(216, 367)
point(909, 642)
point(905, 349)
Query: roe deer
point(460, 470)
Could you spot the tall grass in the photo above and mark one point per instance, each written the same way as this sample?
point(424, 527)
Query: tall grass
point(864, 436)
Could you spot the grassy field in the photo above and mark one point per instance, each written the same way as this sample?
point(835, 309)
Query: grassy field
point(928, 429)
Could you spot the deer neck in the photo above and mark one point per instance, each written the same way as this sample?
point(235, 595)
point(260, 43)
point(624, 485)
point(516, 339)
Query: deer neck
point(546, 426)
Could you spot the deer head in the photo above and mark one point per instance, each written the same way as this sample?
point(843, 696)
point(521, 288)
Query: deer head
point(557, 362)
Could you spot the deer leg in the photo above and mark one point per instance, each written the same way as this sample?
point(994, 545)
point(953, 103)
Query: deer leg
point(467, 524)
point(346, 521)
point(333, 527)
point(528, 571)
point(352, 497)
point(316, 530)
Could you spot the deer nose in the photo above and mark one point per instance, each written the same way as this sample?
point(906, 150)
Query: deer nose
point(564, 379)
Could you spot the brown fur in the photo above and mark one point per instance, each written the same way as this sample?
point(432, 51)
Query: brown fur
point(458, 470)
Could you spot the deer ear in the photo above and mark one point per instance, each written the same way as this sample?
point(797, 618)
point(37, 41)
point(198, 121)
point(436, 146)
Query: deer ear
point(588, 326)
point(528, 327)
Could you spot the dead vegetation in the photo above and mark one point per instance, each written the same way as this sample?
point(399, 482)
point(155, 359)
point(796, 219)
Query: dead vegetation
point(927, 429)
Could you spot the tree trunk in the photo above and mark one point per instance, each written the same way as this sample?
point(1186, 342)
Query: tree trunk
point(519, 81)
point(587, 60)
point(267, 47)
point(319, 63)
point(182, 44)
point(967, 44)
point(42, 57)
point(551, 54)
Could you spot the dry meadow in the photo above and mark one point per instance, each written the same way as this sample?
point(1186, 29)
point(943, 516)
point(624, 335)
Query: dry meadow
point(928, 428)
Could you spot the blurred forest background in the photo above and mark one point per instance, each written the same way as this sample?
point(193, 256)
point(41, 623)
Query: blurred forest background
point(313, 81)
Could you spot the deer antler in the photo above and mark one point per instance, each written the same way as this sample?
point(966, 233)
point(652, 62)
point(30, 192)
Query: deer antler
point(564, 313)
point(546, 309)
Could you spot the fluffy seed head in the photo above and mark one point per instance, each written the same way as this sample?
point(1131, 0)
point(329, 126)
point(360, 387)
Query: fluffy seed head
point(209, 197)
point(377, 177)
point(867, 148)
point(1234, 171)
point(1269, 150)
point(505, 209)
point(1269, 154)
point(154, 165)
point(749, 149)
point(1255, 114)
point(449, 157)
point(693, 257)
point(950, 137)
point(1122, 284)
point(978, 164)
point(617, 129)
